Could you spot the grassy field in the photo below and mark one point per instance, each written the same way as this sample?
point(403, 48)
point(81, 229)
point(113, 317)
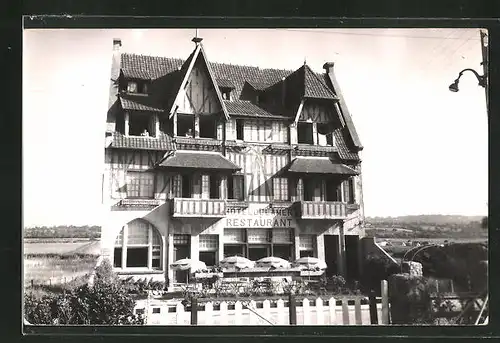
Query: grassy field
point(52, 262)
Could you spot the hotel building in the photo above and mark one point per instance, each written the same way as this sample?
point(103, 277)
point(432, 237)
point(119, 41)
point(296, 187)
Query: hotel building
point(205, 160)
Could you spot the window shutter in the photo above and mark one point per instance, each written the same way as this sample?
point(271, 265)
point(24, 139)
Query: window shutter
point(300, 189)
point(347, 191)
point(205, 186)
point(177, 186)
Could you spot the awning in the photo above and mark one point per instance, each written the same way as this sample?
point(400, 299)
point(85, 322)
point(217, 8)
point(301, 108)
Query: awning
point(315, 165)
point(198, 160)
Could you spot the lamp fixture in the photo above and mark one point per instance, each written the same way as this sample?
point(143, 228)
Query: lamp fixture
point(480, 78)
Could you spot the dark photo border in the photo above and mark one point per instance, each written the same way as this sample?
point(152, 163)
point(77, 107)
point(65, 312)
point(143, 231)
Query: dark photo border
point(179, 20)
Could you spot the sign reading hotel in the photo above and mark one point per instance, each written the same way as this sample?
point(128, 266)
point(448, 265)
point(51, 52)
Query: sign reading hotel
point(259, 218)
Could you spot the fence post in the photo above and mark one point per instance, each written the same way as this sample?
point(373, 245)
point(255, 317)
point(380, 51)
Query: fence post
point(345, 312)
point(357, 311)
point(385, 302)
point(194, 311)
point(292, 309)
point(373, 308)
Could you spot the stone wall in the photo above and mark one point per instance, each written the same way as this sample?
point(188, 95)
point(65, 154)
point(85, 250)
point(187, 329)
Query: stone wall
point(410, 299)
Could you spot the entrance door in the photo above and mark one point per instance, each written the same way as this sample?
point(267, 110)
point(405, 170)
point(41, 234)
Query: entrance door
point(180, 252)
point(352, 256)
point(331, 247)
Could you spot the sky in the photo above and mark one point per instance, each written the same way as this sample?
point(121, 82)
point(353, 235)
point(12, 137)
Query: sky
point(425, 148)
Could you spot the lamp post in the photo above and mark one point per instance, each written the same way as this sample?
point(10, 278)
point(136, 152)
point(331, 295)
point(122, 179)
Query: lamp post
point(482, 79)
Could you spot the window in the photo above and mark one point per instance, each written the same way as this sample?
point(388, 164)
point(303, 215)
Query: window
point(313, 189)
point(215, 182)
point(305, 133)
point(182, 249)
point(234, 242)
point(138, 246)
point(282, 243)
point(205, 186)
point(186, 186)
point(145, 88)
point(132, 87)
point(177, 186)
point(258, 243)
point(239, 129)
point(280, 188)
point(333, 190)
point(139, 124)
point(209, 246)
point(307, 245)
point(349, 191)
point(235, 187)
point(208, 127)
point(140, 184)
point(185, 125)
point(226, 93)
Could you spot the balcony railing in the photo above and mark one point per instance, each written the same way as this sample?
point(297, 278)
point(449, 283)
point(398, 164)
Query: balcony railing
point(139, 203)
point(320, 210)
point(188, 207)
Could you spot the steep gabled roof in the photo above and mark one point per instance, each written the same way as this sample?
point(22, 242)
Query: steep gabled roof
point(170, 72)
point(331, 81)
point(307, 84)
point(186, 70)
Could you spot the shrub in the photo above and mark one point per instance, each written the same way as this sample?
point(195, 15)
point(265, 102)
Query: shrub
point(105, 302)
point(375, 269)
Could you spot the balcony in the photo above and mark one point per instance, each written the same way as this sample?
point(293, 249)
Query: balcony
point(320, 209)
point(189, 207)
point(138, 204)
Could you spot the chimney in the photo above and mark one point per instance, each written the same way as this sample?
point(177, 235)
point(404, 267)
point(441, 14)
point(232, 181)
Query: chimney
point(117, 43)
point(328, 66)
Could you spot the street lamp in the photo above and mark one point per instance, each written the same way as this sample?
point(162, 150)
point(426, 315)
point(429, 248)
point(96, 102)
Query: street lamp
point(480, 78)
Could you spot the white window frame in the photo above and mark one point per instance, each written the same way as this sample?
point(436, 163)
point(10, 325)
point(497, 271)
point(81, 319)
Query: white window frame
point(152, 245)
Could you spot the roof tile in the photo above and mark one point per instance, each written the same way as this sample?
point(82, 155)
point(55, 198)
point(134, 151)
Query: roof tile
point(162, 143)
point(139, 103)
point(247, 108)
point(343, 150)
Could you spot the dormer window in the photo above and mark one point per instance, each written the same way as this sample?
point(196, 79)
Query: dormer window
point(226, 93)
point(132, 87)
point(137, 87)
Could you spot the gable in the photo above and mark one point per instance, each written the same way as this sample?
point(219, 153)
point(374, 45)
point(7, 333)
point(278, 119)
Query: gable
point(198, 96)
point(318, 112)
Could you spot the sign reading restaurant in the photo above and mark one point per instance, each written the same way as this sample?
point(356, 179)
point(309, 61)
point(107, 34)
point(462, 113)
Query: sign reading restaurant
point(259, 218)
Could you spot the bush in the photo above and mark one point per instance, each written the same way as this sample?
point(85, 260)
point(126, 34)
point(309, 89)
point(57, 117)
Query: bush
point(375, 269)
point(107, 302)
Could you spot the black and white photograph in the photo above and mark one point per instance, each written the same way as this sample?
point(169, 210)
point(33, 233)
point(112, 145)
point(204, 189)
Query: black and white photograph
point(255, 177)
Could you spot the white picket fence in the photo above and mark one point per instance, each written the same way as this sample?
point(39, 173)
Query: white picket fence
point(309, 312)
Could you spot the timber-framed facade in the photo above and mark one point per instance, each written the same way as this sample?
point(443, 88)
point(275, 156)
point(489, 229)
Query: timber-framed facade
point(205, 160)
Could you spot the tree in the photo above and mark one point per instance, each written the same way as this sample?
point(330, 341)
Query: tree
point(484, 223)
